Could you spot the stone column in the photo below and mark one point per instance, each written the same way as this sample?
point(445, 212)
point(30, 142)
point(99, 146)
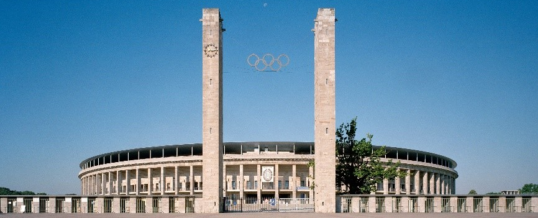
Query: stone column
point(469, 204)
point(116, 204)
point(405, 204)
point(118, 182)
point(437, 202)
point(90, 185)
point(83, 188)
point(519, 204)
point(132, 204)
point(324, 110)
point(447, 184)
point(242, 182)
point(127, 182)
point(408, 182)
point(421, 204)
point(417, 182)
point(176, 180)
point(163, 181)
point(258, 178)
point(98, 207)
point(385, 186)
point(52, 205)
point(110, 184)
point(397, 185)
point(432, 183)
point(191, 180)
point(293, 181)
point(371, 204)
point(212, 109)
point(425, 182)
point(3, 205)
point(437, 184)
point(443, 187)
point(35, 205)
point(275, 183)
point(454, 204)
point(452, 185)
point(95, 184)
point(225, 185)
point(389, 203)
point(137, 186)
point(311, 173)
point(150, 182)
point(101, 186)
point(149, 205)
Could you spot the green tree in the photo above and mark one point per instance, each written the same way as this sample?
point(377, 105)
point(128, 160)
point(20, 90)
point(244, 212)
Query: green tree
point(7, 191)
point(529, 188)
point(472, 192)
point(359, 168)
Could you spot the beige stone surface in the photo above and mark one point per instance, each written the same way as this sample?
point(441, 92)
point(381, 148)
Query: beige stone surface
point(324, 110)
point(212, 110)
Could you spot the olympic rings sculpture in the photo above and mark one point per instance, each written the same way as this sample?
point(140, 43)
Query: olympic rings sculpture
point(267, 62)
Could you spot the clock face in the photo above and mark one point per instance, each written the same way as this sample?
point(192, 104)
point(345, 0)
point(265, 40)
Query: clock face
point(267, 175)
point(211, 50)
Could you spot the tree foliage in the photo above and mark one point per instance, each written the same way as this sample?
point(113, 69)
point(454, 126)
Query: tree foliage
point(472, 192)
point(529, 189)
point(359, 168)
point(7, 191)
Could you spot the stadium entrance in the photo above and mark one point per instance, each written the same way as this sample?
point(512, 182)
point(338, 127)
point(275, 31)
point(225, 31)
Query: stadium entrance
point(268, 204)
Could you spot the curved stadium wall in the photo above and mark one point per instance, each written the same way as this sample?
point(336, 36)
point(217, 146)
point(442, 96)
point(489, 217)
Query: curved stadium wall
point(177, 170)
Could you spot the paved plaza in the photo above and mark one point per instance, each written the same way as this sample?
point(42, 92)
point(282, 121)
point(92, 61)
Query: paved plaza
point(283, 215)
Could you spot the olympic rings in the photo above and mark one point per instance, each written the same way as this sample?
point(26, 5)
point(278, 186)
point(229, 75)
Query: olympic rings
point(268, 62)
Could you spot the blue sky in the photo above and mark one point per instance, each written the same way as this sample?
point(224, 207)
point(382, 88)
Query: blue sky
point(81, 78)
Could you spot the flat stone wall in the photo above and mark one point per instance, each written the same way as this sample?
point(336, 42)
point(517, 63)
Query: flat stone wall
point(100, 204)
point(437, 204)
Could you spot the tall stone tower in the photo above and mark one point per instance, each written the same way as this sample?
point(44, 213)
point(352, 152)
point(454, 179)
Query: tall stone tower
point(212, 110)
point(324, 111)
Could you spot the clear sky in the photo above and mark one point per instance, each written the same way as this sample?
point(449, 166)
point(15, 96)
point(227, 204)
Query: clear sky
point(82, 78)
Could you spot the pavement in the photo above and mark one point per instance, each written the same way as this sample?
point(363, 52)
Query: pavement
point(281, 215)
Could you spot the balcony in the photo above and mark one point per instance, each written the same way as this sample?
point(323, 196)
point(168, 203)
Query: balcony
point(303, 188)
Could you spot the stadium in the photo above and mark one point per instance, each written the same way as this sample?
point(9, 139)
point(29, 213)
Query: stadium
point(215, 176)
point(258, 170)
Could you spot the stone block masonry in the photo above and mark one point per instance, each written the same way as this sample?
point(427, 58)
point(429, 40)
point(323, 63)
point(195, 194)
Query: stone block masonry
point(324, 111)
point(212, 110)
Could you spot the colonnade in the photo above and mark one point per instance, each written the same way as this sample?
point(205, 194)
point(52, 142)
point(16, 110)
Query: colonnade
point(419, 182)
point(288, 181)
point(158, 180)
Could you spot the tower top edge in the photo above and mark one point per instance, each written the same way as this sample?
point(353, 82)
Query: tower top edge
point(326, 11)
point(210, 10)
